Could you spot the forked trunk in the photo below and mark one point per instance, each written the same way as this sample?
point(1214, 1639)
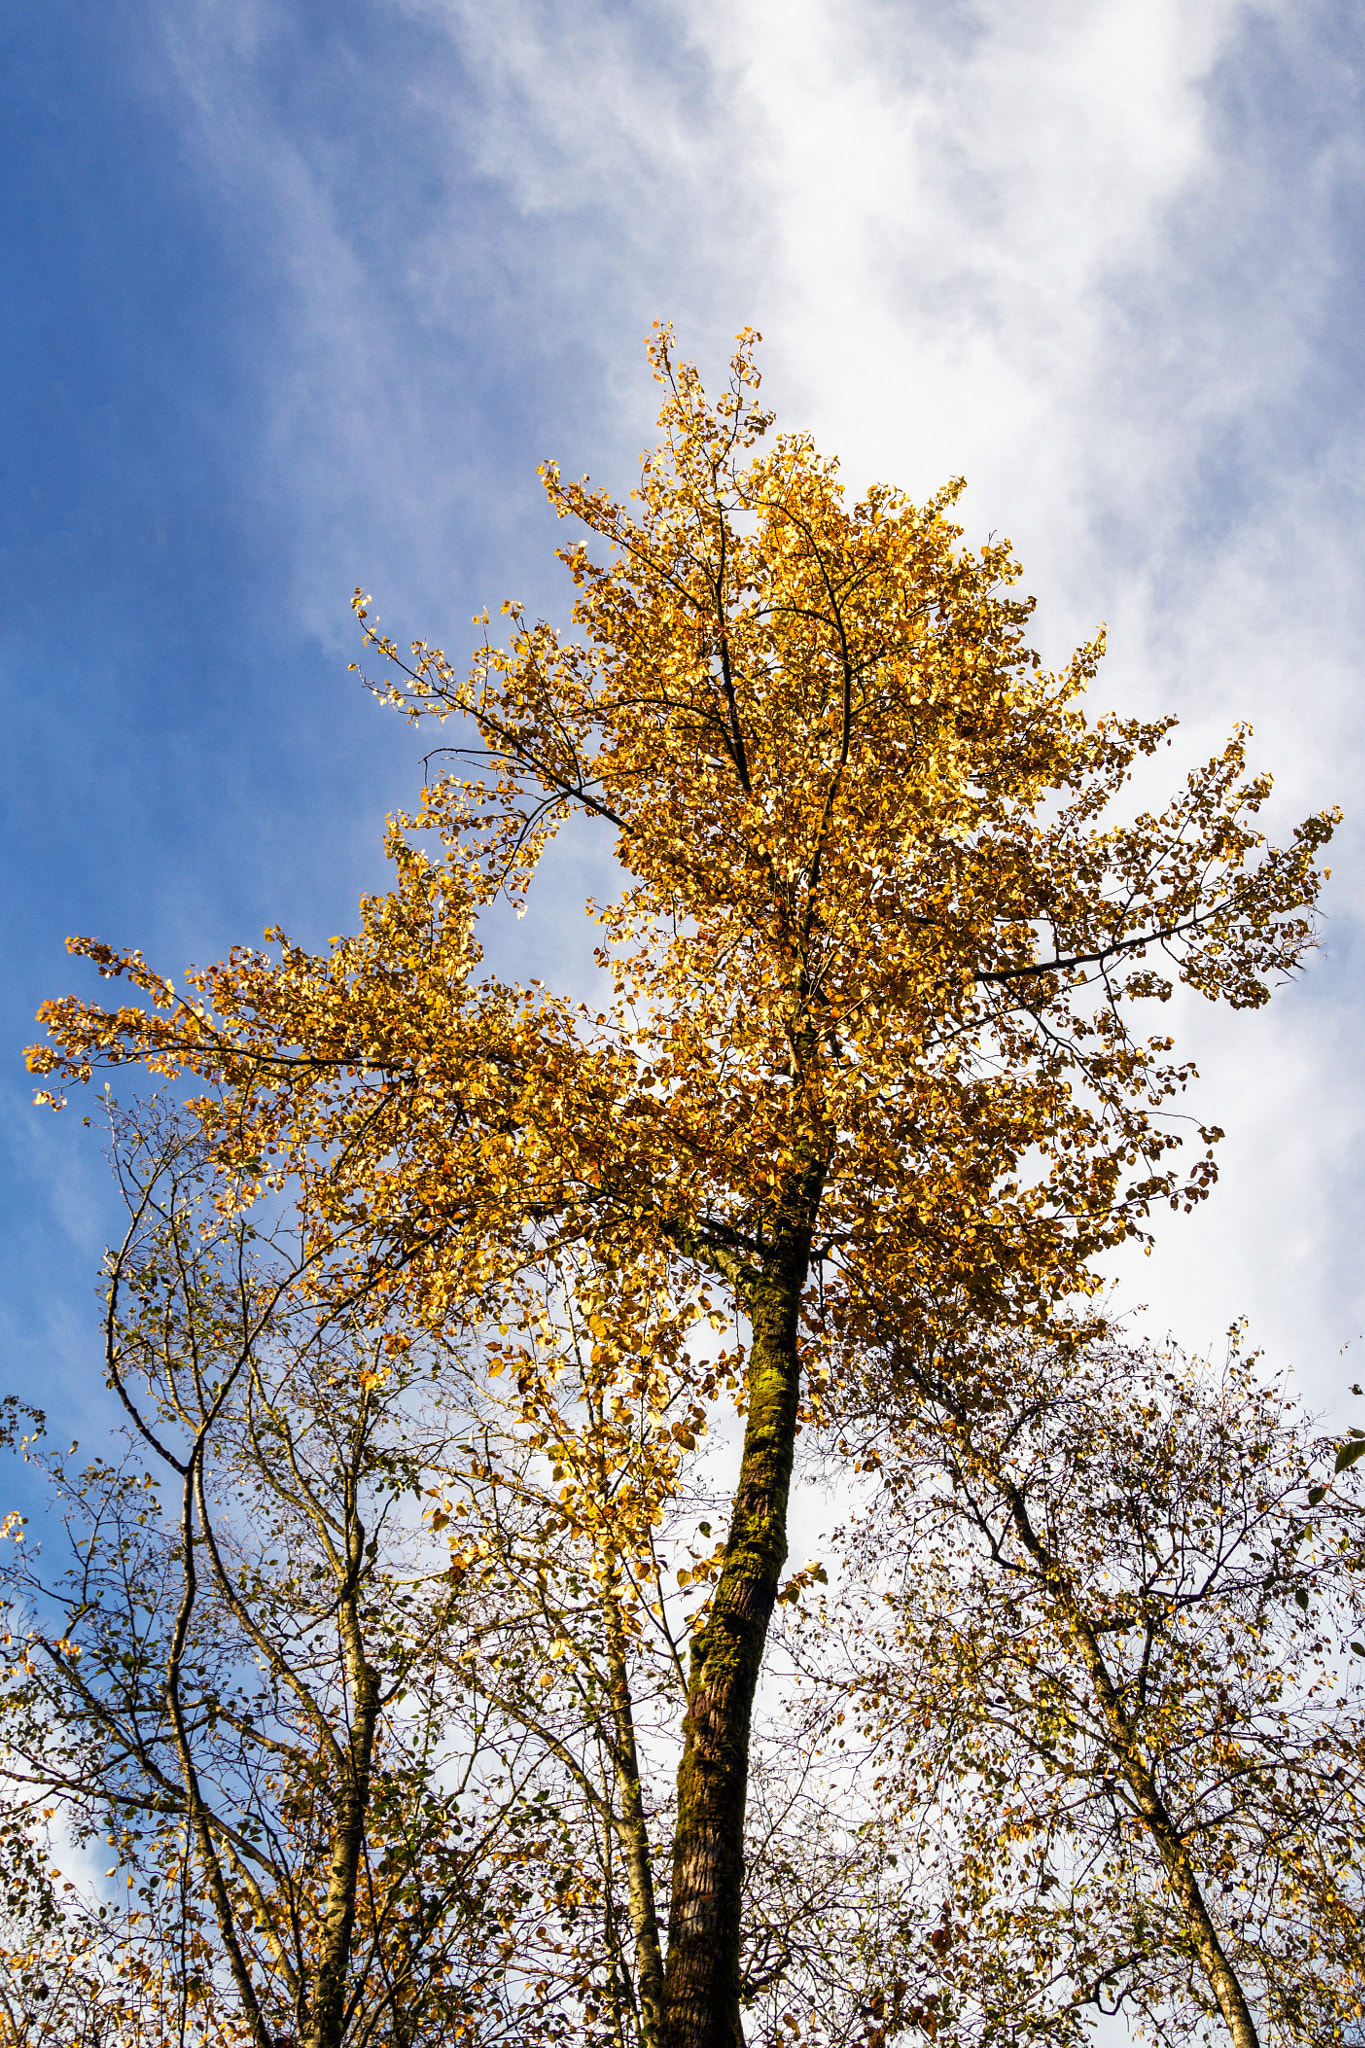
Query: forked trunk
point(702, 1981)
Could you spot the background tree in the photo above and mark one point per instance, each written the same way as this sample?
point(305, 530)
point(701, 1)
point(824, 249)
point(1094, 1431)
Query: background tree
point(242, 1679)
point(1127, 1678)
point(875, 967)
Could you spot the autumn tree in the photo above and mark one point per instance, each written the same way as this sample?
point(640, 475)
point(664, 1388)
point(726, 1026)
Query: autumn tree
point(878, 965)
point(241, 1679)
point(1119, 1656)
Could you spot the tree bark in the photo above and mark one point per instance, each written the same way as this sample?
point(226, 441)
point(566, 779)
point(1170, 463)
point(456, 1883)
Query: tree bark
point(702, 1979)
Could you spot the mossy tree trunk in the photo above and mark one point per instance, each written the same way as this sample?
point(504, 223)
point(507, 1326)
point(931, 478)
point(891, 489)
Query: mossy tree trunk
point(702, 1988)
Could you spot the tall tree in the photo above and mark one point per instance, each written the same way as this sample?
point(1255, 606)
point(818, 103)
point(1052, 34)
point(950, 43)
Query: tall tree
point(876, 969)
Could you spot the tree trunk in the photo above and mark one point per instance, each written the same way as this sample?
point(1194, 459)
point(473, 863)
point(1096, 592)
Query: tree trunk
point(644, 1917)
point(1180, 1872)
point(1227, 1988)
point(1199, 1924)
point(702, 1980)
point(195, 1808)
point(327, 2020)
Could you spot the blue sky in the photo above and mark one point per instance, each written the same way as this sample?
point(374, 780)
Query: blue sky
point(298, 294)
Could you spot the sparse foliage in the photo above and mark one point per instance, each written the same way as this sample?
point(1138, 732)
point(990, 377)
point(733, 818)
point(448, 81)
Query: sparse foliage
point(1118, 1655)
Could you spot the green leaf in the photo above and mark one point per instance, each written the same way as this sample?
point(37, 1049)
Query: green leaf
point(1350, 1454)
point(1302, 1599)
point(1315, 1494)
